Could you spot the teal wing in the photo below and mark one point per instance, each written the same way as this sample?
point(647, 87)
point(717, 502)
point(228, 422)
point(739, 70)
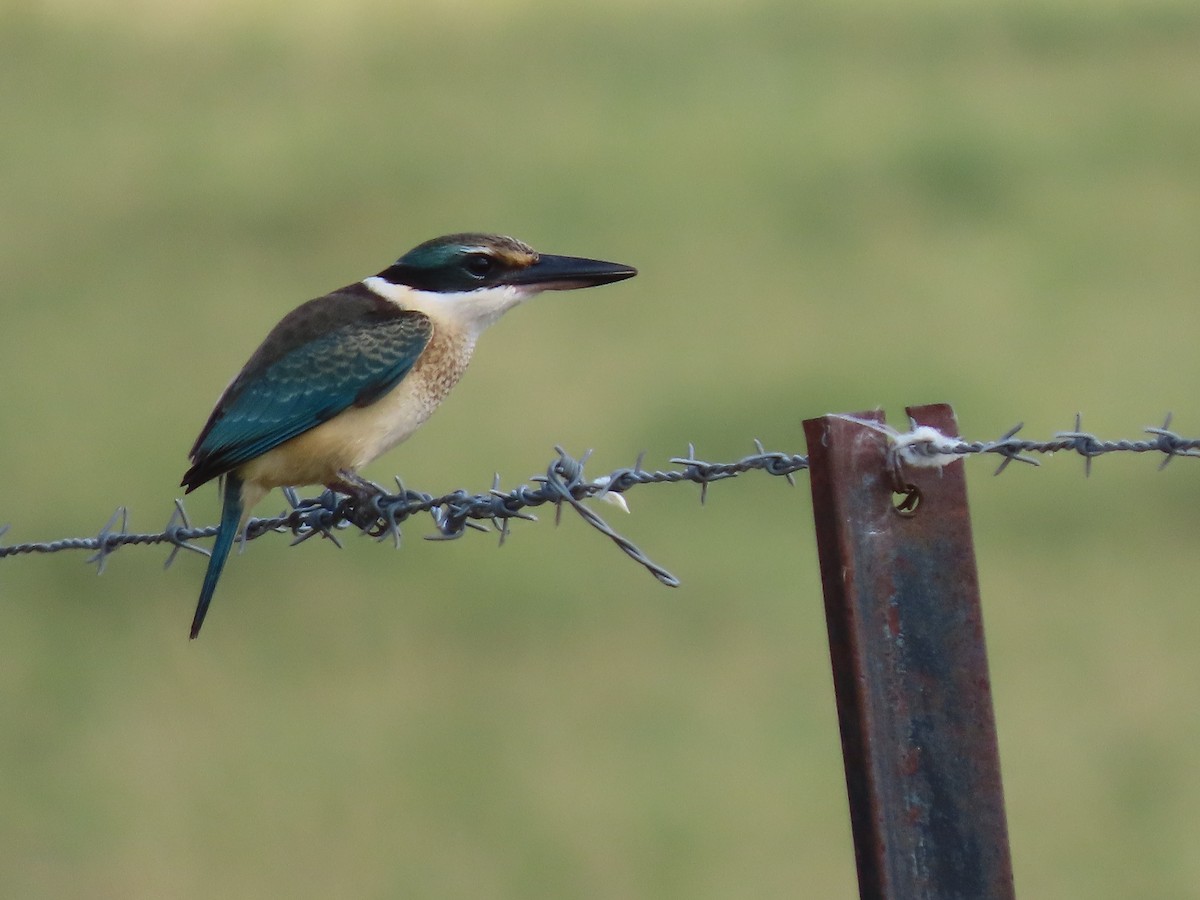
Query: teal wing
point(305, 374)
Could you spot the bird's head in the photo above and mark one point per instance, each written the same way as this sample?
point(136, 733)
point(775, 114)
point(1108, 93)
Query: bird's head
point(469, 262)
point(480, 276)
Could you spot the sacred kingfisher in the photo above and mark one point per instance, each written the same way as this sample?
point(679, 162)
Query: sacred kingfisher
point(345, 377)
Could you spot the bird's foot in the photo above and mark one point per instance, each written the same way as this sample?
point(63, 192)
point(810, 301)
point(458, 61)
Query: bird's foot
point(354, 485)
point(364, 510)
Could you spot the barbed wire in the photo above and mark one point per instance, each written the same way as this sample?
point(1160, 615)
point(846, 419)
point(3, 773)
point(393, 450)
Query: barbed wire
point(565, 484)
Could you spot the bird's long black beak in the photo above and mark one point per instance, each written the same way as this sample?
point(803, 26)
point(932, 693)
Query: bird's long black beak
point(562, 273)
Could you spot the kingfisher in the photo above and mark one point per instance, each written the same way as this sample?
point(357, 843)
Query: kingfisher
point(345, 377)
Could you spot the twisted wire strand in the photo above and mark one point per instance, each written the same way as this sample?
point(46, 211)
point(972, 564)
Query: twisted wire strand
point(565, 484)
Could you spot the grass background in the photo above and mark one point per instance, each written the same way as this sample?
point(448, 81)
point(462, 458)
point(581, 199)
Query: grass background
point(833, 207)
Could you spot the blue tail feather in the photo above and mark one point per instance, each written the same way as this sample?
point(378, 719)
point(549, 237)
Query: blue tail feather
point(227, 532)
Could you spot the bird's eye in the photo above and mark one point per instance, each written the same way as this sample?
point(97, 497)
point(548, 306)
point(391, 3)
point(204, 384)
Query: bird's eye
point(479, 264)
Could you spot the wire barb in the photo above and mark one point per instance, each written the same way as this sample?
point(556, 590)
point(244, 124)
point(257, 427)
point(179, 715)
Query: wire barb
point(103, 545)
point(179, 522)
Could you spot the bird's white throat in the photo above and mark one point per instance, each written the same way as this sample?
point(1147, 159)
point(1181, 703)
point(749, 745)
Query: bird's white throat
point(470, 311)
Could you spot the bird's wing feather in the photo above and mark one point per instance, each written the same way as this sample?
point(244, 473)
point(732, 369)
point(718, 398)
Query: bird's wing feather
point(299, 379)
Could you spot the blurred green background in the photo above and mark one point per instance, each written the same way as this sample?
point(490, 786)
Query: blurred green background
point(834, 206)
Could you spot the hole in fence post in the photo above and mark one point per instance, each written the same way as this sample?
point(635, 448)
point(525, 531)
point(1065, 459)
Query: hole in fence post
point(905, 502)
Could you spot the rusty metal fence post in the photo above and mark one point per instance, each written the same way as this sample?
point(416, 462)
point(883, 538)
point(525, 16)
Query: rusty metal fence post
point(909, 666)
